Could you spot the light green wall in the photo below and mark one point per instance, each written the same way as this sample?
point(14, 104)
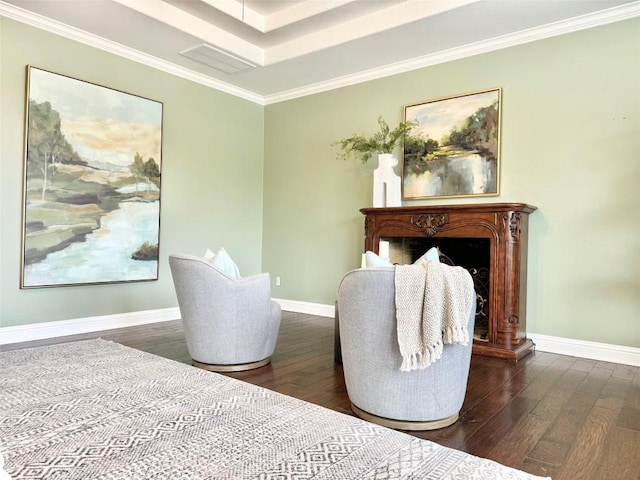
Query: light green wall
point(570, 126)
point(212, 169)
point(570, 146)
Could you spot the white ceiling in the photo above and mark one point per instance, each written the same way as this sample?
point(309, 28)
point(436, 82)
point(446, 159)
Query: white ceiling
point(298, 47)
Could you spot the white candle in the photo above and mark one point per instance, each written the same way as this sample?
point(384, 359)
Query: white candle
point(363, 263)
point(383, 249)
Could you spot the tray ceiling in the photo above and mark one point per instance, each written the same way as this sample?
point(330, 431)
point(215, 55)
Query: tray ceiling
point(267, 50)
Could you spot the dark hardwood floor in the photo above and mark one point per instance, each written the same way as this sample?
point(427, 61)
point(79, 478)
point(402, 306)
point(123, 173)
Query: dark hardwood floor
point(550, 415)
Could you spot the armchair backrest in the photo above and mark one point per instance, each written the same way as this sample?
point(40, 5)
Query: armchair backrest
point(371, 355)
point(225, 320)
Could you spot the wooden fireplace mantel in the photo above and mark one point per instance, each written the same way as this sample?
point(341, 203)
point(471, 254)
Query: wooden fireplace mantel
point(506, 227)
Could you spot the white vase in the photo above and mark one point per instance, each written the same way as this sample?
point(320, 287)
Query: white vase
point(386, 184)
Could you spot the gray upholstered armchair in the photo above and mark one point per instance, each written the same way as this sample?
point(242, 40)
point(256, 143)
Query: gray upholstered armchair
point(229, 324)
point(379, 392)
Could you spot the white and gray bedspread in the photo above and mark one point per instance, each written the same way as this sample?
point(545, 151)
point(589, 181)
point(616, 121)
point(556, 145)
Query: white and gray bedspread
point(98, 410)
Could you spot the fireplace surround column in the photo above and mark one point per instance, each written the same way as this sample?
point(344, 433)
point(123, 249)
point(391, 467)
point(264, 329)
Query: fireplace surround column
point(504, 227)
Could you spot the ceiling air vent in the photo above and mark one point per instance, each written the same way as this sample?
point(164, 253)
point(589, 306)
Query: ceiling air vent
point(218, 59)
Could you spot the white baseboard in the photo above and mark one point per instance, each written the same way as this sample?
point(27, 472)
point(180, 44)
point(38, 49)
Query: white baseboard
point(318, 309)
point(544, 343)
point(592, 350)
point(62, 328)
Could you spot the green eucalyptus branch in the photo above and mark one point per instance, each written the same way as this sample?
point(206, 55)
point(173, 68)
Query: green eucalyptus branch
point(384, 141)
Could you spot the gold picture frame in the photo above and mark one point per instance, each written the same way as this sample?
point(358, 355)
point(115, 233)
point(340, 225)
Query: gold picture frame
point(91, 188)
point(454, 150)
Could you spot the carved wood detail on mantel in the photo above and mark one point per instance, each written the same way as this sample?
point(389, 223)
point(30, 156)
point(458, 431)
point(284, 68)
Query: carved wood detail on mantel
point(506, 227)
point(430, 223)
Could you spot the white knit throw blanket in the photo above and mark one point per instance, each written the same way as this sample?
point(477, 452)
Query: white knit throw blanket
point(433, 302)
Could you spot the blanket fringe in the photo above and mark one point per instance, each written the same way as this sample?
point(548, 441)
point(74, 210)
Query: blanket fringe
point(420, 360)
point(409, 362)
point(432, 305)
point(458, 335)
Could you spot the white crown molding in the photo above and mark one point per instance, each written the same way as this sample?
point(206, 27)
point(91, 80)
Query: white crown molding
point(43, 23)
point(240, 12)
point(298, 12)
point(180, 20)
point(584, 22)
point(281, 18)
point(604, 17)
point(349, 30)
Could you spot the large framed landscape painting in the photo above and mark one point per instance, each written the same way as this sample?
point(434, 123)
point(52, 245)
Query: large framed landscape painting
point(454, 149)
point(92, 170)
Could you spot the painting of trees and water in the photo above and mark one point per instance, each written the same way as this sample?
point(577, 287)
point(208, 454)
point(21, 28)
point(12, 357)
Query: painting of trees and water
point(454, 150)
point(92, 184)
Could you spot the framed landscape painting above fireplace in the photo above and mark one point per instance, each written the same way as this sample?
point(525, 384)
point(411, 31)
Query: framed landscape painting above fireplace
point(91, 211)
point(454, 150)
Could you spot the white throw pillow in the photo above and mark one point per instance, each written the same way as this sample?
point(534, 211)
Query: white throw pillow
point(373, 260)
point(208, 255)
point(223, 262)
point(432, 255)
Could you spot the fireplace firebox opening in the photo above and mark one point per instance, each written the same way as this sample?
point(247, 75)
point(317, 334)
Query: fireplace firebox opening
point(473, 254)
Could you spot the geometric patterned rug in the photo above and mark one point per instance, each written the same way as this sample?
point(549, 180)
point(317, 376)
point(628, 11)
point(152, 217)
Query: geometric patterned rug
point(99, 410)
